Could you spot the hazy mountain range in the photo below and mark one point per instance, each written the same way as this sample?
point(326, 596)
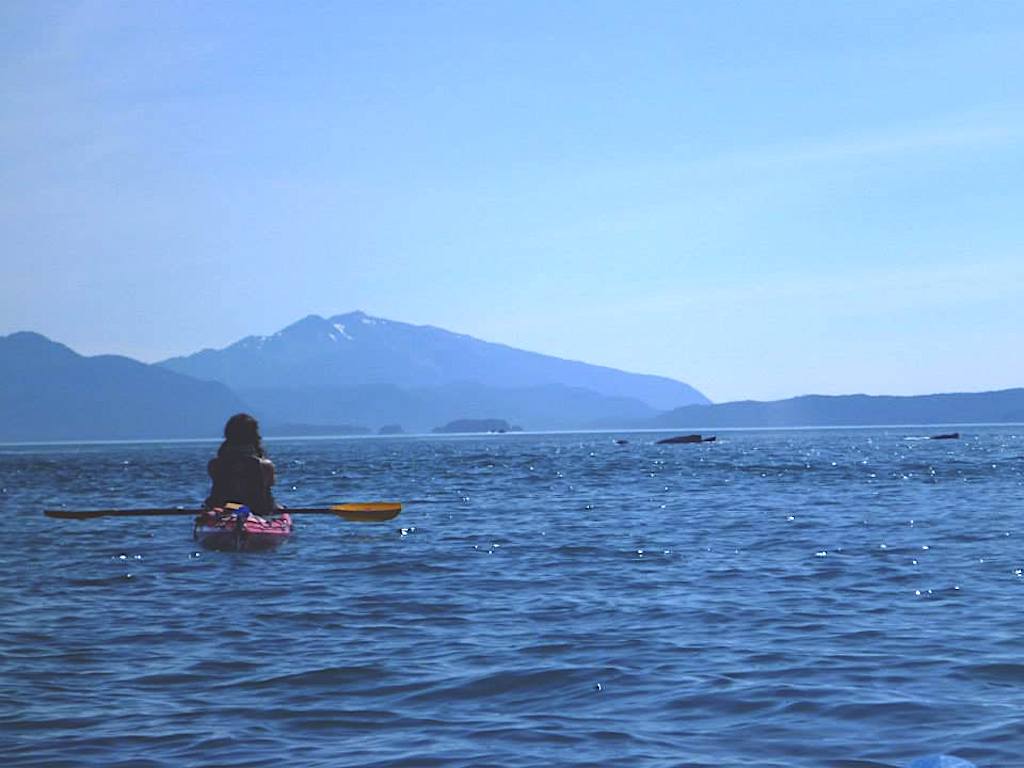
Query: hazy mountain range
point(1006, 406)
point(49, 392)
point(358, 369)
point(349, 369)
point(367, 372)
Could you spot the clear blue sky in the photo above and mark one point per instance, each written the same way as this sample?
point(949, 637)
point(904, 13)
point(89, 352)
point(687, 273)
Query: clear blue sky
point(760, 198)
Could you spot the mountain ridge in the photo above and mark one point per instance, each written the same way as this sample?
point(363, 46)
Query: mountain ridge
point(395, 352)
point(417, 368)
point(50, 392)
point(1004, 406)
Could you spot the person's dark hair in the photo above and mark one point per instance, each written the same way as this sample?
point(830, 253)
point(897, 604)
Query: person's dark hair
point(242, 431)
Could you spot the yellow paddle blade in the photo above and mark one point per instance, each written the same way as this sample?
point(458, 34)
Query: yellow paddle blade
point(370, 512)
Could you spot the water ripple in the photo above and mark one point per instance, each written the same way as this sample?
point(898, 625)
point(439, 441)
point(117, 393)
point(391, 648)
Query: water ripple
point(775, 599)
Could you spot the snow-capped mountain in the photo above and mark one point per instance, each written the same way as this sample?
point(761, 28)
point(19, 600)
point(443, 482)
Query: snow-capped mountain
point(425, 372)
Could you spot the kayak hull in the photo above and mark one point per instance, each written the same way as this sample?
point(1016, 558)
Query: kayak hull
point(218, 529)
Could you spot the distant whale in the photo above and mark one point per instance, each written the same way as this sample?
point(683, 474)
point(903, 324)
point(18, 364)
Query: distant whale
point(686, 439)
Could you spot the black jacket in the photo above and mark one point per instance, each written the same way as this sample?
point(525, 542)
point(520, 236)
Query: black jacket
point(238, 477)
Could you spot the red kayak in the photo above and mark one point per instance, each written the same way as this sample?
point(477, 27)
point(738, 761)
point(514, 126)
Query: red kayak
point(239, 530)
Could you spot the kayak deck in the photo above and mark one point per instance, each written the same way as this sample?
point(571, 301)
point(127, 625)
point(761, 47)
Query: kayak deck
point(222, 530)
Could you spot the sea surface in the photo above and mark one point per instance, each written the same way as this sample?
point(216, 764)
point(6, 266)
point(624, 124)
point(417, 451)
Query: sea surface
point(775, 598)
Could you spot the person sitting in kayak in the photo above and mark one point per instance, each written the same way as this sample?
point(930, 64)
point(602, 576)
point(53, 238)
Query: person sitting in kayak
point(241, 471)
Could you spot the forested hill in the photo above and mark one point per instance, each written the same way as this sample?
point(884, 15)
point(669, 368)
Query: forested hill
point(1005, 406)
point(50, 392)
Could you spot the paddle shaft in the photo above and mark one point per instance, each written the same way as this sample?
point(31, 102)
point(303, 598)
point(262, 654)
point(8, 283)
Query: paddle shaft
point(371, 512)
point(89, 514)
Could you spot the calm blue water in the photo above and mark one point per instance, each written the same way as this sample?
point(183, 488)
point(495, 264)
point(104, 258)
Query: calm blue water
point(801, 598)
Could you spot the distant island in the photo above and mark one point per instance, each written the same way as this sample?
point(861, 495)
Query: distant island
point(391, 429)
point(476, 425)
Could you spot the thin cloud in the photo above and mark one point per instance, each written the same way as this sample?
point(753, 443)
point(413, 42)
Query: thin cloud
point(997, 128)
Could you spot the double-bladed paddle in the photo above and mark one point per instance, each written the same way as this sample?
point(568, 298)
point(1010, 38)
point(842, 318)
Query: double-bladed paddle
point(370, 512)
